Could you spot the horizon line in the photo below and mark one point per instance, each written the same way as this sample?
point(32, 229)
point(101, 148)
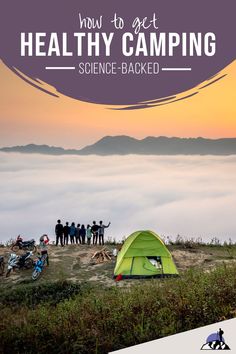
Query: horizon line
point(114, 136)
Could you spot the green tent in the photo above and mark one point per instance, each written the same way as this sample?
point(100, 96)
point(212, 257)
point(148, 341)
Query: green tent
point(144, 254)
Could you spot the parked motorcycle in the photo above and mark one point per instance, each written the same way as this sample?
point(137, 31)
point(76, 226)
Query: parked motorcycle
point(2, 265)
point(23, 245)
point(20, 262)
point(39, 266)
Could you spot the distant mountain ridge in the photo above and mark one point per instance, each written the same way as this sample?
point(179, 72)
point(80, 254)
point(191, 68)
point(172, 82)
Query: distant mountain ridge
point(124, 145)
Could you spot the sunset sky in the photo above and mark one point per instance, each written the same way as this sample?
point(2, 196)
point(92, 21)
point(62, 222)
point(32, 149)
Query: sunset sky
point(28, 115)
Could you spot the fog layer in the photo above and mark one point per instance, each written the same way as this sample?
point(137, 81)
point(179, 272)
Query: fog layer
point(187, 195)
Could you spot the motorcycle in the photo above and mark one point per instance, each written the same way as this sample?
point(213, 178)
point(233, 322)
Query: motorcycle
point(23, 245)
point(39, 266)
point(20, 262)
point(2, 265)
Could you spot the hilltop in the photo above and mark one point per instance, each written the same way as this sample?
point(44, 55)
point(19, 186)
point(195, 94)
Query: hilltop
point(74, 263)
point(76, 306)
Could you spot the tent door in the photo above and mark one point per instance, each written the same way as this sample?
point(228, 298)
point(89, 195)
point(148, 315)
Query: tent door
point(156, 262)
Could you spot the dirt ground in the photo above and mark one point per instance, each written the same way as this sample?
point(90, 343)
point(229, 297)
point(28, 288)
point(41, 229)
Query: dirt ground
point(75, 263)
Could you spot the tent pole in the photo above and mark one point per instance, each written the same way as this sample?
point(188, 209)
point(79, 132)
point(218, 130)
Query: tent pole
point(131, 268)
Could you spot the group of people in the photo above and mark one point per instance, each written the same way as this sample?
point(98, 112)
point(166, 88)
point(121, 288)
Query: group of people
point(79, 234)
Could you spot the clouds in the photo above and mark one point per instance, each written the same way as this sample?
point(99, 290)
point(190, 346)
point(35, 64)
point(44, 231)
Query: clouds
point(187, 195)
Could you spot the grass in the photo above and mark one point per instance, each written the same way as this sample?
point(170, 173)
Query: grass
point(195, 242)
point(91, 319)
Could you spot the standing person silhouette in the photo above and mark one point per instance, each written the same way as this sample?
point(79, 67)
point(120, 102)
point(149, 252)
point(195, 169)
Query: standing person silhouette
point(88, 234)
point(77, 234)
point(59, 233)
point(72, 233)
point(221, 335)
point(94, 230)
point(101, 232)
point(82, 234)
point(66, 231)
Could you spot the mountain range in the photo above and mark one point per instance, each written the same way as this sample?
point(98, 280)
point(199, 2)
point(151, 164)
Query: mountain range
point(124, 145)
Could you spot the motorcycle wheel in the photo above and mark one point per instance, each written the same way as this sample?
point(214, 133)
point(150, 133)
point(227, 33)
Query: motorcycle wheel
point(2, 268)
point(15, 248)
point(8, 273)
point(32, 248)
point(29, 263)
point(35, 275)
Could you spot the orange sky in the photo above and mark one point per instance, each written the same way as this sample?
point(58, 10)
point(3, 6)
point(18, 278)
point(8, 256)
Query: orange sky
point(28, 115)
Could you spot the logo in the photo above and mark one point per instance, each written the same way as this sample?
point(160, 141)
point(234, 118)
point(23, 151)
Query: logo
point(215, 341)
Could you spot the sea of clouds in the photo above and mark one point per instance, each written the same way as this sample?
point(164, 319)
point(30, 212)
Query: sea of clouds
point(192, 196)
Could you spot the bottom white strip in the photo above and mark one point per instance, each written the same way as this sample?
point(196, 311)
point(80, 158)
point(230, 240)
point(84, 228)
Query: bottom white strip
point(190, 342)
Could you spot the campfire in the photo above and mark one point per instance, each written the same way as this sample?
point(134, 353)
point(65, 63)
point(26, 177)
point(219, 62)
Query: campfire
point(101, 256)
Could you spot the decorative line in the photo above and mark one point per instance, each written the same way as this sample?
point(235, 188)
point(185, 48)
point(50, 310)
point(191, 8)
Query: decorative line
point(60, 67)
point(176, 69)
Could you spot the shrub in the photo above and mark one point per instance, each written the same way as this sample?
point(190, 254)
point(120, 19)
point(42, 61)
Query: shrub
point(99, 320)
point(31, 295)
